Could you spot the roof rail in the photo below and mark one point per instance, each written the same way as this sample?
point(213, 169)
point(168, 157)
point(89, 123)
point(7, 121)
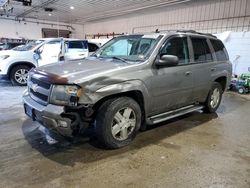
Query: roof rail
point(185, 31)
point(195, 32)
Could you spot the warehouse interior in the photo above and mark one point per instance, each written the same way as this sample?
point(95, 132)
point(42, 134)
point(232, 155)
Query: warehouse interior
point(192, 150)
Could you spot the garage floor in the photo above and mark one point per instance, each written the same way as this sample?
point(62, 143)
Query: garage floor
point(197, 150)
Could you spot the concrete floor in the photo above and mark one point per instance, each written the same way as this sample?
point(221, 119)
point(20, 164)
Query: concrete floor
point(197, 150)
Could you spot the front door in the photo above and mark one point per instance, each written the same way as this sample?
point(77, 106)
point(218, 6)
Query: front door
point(172, 86)
point(50, 52)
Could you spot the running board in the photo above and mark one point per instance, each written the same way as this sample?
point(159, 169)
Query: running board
point(174, 113)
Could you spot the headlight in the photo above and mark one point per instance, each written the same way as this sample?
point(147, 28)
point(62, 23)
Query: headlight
point(65, 95)
point(3, 57)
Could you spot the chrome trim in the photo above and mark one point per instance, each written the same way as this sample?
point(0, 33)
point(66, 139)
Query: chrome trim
point(36, 88)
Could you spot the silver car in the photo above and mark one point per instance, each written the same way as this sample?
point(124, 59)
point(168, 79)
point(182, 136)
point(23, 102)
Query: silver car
point(129, 83)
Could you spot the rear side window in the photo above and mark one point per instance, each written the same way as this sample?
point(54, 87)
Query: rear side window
point(179, 47)
point(92, 47)
point(77, 45)
point(201, 49)
point(220, 50)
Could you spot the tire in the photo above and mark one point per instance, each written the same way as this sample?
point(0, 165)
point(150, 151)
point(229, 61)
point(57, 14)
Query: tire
point(212, 103)
point(111, 126)
point(21, 72)
point(241, 90)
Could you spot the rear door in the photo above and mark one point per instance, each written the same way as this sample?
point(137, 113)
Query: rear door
point(202, 61)
point(172, 86)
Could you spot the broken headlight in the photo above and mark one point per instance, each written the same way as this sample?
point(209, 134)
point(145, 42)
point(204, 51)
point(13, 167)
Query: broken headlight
point(65, 95)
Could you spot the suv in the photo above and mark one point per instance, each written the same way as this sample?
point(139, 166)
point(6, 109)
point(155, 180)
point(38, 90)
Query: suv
point(130, 82)
point(15, 64)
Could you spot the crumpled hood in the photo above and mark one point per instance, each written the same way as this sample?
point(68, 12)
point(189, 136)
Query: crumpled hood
point(76, 70)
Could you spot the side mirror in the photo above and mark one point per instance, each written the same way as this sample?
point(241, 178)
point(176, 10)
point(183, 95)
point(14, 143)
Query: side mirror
point(167, 61)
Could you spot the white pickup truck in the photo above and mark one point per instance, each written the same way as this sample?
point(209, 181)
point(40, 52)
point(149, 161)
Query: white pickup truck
point(15, 64)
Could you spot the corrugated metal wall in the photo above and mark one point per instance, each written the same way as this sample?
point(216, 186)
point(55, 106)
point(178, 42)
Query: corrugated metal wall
point(202, 15)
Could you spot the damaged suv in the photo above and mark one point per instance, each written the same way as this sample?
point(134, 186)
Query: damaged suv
point(130, 82)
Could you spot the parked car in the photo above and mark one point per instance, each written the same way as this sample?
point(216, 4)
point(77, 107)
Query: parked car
point(15, 64)
point(241, 84)
point(9, 45)
point(130, 82)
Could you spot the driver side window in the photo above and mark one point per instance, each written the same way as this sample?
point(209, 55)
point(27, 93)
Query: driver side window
point(177, 46)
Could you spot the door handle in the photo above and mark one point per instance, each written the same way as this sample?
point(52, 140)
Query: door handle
point(188, 73)
point(213, 69)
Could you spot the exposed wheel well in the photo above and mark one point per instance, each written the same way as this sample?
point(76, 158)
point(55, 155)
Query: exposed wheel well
point(18, 64)
point(222, 81)
point(136, 95)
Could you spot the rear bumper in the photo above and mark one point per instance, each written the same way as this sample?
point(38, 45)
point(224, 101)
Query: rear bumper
point(49, 116)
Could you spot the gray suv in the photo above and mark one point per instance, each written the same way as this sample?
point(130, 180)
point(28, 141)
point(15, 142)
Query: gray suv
point(129, 83)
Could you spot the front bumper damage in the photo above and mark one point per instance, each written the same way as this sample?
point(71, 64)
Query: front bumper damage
point(52, 117)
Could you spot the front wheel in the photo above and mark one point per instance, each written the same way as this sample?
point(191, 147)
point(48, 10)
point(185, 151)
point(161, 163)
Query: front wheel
point(117, 122)
point(214, 98)
point(19, 75)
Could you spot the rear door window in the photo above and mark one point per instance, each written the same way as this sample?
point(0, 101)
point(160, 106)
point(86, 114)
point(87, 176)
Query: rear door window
point(76, 46)
point(177, 46)
point(220, 50)
point(201, 50)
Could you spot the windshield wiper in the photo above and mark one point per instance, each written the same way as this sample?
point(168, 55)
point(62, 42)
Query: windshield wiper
point(119, 58)
point(93, 55)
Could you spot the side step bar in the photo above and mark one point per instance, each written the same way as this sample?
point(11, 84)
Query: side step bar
point(174, 113)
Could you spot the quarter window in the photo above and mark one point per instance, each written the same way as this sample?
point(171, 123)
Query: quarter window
point(92, 47)
point(201, 49)
point(178, 47)
point(220, 50)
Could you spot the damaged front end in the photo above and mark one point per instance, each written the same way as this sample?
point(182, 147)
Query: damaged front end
point(55, 105)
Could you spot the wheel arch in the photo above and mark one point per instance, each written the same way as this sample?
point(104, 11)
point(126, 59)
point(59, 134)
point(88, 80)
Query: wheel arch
point(222, 80)
point(18, 64)
point(137, 95)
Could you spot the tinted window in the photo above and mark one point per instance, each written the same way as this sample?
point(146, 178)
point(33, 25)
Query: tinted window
point(92, 47)
point(76, 44)
point(177, 47)
point(201, 50)
point(220, 50)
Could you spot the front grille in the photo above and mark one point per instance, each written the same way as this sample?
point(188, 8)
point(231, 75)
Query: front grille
point(40, 83)
point(39, 90)
point(39, 95)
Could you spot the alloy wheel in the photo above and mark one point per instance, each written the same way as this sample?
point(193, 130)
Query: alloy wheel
point(21, 76)
point(215, 98)
point(123, 123)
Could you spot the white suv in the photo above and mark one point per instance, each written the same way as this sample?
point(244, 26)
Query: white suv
point(15, 64)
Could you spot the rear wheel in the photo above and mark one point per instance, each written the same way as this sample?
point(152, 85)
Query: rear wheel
point(214, 98)
point(242, 90)
point(117, 122)
point(19, 75)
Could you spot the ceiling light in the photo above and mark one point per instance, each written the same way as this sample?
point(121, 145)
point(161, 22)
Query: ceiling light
point(50, 14)
point(72, 8)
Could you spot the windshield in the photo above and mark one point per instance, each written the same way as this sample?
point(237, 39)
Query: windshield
point(29, 46)
point(129, 48)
